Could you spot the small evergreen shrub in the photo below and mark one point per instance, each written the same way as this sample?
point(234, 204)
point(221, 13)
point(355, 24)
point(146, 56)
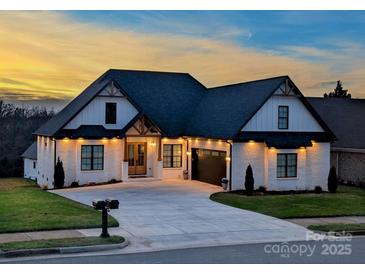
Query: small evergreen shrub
point(59, 175)
point(249, 181)
point(74, 184)
point(332, 180)
point(112, 181)
point(262, 189)
point(318, 190)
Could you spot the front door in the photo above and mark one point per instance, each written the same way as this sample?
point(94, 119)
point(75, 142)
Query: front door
point(137, 158)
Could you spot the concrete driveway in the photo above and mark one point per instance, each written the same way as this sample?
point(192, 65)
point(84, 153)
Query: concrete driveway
point(158, 215)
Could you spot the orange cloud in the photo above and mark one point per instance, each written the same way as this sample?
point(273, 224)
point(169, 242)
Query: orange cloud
point(48, 55)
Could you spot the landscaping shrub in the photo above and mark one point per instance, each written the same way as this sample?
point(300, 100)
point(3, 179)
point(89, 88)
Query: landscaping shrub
point(318, 190)
point(74, 184)
point(332, 180)
point(262, 189)
point(112, 181)
point(249, 181)
point(59, 175)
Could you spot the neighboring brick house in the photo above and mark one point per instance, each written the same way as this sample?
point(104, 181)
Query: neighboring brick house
point(346, 118)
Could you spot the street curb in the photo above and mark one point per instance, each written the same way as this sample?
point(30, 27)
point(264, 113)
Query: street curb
point(62, 250)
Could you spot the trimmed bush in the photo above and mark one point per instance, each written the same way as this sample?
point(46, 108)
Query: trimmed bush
point(59, 175)
point(249, 181)
point(262, 189)
point(332, 180)
point(74, 184)
point(318, 190)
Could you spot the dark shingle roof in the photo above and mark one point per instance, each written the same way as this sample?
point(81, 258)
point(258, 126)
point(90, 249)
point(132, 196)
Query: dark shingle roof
point(177, 103)
point(224, 110)
point(167, 98)
point(31, 152)
point(345, 117)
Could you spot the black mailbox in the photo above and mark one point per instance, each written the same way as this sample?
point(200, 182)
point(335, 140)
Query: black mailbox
point(105, 206)
point(99, 204)
point(112, 203)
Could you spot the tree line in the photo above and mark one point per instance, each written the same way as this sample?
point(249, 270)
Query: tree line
point(16, 127)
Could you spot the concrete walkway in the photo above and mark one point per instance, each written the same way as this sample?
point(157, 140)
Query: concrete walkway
point(39, 235)
point(161, 215)
point(328, 220)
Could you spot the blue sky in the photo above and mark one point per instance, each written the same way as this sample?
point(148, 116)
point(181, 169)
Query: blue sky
point(51, 56)
point(268, 30)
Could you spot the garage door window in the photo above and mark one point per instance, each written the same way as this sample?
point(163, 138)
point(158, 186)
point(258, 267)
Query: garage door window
point(172, 156)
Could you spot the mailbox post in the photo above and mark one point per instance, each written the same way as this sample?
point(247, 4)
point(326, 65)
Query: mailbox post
point(105, 206)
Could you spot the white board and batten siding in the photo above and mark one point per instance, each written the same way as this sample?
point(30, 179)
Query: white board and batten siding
point(266, 119)
point(94, 113)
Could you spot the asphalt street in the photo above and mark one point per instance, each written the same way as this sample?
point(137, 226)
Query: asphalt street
point(294, 252)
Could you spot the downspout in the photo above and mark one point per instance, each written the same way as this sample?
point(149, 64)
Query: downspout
point(54, 156)
point(230, 165)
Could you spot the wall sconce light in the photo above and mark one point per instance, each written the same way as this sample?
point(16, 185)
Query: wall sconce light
point(188, 153)
point(313, 142)
point(228, 159)
point(153, 144)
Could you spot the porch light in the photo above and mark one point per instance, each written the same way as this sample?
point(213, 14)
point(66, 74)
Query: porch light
point(251, 142)
point(272, 148)
point(209, 141)
point(153, 144)
point(180, 139)
point(188, 153)
point(114, 139)
point(164, 139)
point(80, 139)
point(228, 159)
point(302, 148)
point(313, 142)
point(66, 139)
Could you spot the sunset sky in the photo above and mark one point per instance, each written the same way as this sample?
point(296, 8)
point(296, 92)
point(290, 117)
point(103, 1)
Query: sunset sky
point(47, 58)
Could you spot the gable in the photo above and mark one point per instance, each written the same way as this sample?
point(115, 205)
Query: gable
point(142, 127)
point(300, 118)
point(94, 112)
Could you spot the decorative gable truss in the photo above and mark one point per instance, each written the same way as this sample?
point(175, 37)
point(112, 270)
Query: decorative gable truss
point(111, 90)
point(286, 89)
point(143, 127)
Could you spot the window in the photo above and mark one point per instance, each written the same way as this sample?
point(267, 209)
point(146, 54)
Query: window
point(92, 157)
point(283, 117)
point(34, 164)
point(286, 165)
point(172, 155)
point(110, 113)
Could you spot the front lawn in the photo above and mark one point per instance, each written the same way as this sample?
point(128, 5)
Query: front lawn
point(25, 207)
point(348, 201)
point(338, 227)
point(67, 242)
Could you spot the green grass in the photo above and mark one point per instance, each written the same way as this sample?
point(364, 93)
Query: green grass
point(348, 201)
point(25, 207)
point(67, 242)
point(338, 227)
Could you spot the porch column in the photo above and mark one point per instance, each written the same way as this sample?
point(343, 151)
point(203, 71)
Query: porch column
point(159, 158)
point(125, 150)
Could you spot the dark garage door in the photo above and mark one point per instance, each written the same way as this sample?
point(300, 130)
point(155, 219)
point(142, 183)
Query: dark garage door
point(208, 165)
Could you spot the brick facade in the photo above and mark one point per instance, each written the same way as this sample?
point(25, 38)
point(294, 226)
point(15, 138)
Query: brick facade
point(351, 166)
